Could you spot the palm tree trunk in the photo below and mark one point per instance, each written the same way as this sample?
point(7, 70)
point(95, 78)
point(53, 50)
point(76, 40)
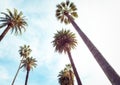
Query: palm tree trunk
point(4, 32)
point(106, 67)
point(74, 68)
point(26, 80)
point(17, 72)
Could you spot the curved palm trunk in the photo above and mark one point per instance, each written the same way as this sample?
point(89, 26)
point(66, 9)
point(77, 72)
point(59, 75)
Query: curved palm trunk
point(74, 68)
point(26, 80)
point(17, 72)
point(4, 32)
point(106, 67)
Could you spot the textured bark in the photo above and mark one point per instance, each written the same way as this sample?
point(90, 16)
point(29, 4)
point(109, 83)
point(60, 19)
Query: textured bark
point(74, 68)
point(26, 80)
point(106, 67)
point(4, 32)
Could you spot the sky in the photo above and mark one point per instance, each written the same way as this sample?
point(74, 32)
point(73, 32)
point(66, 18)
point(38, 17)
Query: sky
point(99, 20)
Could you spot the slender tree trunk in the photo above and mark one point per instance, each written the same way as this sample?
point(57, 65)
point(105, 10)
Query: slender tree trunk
point(106, 67)
point(17, 72)
point(4, 32)
point(26, 80)
point(74, 68)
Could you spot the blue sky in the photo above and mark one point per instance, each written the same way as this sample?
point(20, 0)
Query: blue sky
point(99, 19)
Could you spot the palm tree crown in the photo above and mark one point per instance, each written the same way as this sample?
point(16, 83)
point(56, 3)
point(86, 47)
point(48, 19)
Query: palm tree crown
point(66, 76)
point(25, 51)
point(64, 40)
point(66, 12)
point(66, 8)
point(63, 78)
point(13, 20)
point(29, 63)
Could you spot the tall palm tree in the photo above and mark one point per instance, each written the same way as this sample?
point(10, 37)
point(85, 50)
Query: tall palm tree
point(14, 21)
point(66, 76)
point(24, 53)
point(66, 12)
point(64, 41)
point(28, 64)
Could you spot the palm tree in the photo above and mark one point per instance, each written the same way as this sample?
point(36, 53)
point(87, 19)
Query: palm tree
point(66, 76)
point(14, 21)
point(28, 64)
point(24, 53)
point(64, 41)
point(66, 12)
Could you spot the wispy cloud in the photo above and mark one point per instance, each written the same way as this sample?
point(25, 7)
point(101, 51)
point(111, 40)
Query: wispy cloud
point(95, 19)
point(3, 73)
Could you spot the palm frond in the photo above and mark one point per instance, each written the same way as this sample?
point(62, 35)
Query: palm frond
point(71, 4)
point(3, 20)
point(58, 10)
point(6, 15)
point(66, 21)
point(58, 14)
point(67, 2)
point(62, 18)
point(74, 9)
point(10, 13)
point(74, 14)
point(19, 15)
point(15, 13)
point(63, 4)
point(59, 6)
point(3, 25)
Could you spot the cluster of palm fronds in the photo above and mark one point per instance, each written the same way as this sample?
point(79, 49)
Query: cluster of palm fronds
point(66, 76)
point(64, 40)
point(27, 62)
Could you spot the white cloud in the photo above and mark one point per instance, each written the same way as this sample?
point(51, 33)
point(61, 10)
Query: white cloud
point(3, 74)
point(5, 4)
point(98, 19)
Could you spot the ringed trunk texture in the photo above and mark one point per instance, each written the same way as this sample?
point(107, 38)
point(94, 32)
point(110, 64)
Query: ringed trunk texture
point(106, 67)
point(74, 68)
point(26, 80)
point(4, 32)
